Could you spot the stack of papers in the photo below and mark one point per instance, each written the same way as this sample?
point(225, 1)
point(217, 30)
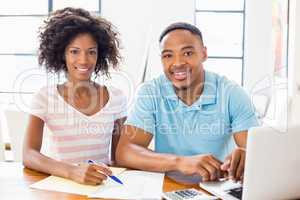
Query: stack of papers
point(137, 185)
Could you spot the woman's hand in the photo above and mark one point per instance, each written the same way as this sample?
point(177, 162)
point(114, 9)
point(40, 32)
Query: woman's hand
point(91, 174)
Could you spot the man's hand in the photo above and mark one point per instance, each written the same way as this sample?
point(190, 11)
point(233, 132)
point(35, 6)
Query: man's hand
point(207, 166)
point(234, 164)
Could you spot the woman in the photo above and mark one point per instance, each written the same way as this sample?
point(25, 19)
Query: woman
point(84, 117)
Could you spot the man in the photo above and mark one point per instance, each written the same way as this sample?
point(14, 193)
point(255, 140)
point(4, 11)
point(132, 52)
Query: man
point(194, 115)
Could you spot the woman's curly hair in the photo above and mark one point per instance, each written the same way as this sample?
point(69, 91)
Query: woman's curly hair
point(64, 25)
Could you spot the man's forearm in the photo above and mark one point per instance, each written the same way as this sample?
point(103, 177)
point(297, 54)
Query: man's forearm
point(135, 156)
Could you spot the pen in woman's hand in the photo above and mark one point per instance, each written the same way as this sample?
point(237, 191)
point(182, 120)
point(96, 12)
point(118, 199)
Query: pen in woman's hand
point(111, 176)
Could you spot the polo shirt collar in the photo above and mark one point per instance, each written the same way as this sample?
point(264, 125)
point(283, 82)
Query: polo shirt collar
point(207, 97)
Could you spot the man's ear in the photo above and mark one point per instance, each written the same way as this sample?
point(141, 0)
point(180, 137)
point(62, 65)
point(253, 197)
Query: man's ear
point(204, 52)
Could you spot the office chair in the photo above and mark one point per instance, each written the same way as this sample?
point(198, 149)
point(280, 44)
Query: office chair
point(2, 157)
point(16, 122)
point(261, 100)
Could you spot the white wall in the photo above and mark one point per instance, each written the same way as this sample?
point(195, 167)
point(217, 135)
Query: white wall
point(294, 48)
point(140, 23)
point(259, 56)
point(294, 62)
point(258, 43)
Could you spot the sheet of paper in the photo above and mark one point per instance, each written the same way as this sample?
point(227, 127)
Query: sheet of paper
point(54, 183)
point(117, 170)
point(137, 185)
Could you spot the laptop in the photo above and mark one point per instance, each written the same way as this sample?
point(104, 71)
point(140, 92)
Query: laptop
point(271, 168)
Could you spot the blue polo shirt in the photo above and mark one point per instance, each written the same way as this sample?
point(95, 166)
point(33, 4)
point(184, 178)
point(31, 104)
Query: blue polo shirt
point(207, 126)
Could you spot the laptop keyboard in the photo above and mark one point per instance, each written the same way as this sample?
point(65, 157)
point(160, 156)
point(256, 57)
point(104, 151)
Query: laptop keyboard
point(236, 192)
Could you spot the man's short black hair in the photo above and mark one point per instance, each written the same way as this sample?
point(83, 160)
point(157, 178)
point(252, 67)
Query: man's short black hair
point(181, 25)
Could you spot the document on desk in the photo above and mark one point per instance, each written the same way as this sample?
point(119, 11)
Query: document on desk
point(137, 185)
point(54, 183)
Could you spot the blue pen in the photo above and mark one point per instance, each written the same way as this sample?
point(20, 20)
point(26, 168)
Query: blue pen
point(112, 176)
